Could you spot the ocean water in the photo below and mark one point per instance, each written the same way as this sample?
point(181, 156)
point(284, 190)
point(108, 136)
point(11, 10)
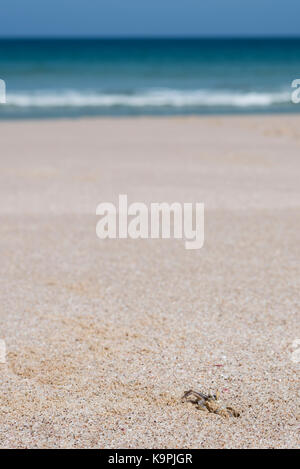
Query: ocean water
point(73, 78)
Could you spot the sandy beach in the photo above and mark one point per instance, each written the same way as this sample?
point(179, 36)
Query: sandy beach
point(104, 336)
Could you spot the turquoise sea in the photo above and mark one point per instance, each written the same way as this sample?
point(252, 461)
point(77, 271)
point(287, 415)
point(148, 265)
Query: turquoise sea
point(72, 78)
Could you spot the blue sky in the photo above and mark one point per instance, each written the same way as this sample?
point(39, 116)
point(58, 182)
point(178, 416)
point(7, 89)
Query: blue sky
point(149, 17)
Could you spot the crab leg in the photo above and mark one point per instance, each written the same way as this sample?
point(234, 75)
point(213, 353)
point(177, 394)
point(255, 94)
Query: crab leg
point(196, 394)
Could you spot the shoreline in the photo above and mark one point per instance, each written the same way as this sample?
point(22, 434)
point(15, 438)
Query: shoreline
point(233, 115)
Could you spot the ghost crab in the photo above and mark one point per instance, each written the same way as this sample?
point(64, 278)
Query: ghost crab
point(210, 403)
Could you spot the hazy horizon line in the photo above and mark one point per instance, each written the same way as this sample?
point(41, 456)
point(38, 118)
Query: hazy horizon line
point(145, 38)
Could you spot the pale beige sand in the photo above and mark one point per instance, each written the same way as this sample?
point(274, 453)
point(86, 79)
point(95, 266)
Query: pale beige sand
point(103, 337)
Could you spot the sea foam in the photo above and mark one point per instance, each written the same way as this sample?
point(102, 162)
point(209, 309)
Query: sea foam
point(150, 98)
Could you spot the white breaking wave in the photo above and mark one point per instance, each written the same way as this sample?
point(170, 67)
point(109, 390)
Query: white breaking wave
point(161, 98)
